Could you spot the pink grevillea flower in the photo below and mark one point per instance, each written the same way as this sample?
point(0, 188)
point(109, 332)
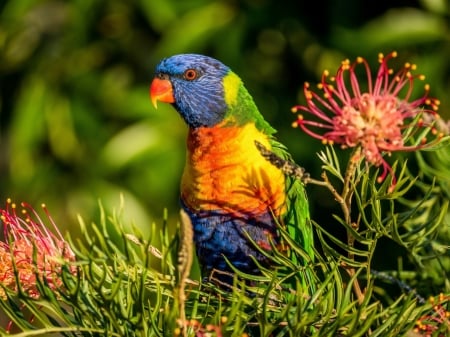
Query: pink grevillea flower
point(428, 324)
point(30, 250)
point(375, 119)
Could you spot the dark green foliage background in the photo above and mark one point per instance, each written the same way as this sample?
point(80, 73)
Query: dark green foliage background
point(76, 123)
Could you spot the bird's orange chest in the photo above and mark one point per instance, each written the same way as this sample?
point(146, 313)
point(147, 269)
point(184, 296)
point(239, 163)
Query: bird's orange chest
point(225, 171)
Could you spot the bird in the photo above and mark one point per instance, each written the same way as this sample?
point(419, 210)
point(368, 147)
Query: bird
point(237, 201)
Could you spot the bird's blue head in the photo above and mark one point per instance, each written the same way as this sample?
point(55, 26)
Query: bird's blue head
point(194, 84)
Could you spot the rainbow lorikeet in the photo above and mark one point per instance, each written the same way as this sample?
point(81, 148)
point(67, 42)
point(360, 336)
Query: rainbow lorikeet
point(230, 191)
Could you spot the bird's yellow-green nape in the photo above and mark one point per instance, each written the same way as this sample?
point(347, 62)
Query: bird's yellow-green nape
point(231, 86)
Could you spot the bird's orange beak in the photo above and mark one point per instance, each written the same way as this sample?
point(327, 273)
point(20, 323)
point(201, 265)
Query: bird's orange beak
point(161, 90)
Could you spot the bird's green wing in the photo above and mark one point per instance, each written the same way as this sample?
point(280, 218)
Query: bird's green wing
point(297, 218)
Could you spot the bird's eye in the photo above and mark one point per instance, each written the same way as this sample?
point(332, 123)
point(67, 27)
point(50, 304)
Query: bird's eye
point(190, 74)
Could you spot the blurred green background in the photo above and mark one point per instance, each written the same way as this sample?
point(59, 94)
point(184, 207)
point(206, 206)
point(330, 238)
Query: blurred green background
point(76, 123)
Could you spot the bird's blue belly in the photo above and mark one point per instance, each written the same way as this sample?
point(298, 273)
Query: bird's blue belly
point(218, 235)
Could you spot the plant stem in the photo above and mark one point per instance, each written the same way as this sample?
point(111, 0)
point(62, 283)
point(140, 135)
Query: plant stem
point(345, 201)
point(184, 264)
point(347, 194)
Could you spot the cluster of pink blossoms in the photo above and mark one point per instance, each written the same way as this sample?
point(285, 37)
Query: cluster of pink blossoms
point(428, 324)
point(374, 119)
point(30, 250)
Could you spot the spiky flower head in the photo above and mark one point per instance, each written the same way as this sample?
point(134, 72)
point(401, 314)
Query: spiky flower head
point(438, 319)
point(376, 119)
point(30, 250)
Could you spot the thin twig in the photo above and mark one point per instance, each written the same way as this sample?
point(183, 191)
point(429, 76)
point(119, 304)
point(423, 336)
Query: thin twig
point(345, 203)
point(184, 264)
point(347, 194)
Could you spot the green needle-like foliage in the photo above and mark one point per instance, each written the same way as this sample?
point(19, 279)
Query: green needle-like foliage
point(124, 284)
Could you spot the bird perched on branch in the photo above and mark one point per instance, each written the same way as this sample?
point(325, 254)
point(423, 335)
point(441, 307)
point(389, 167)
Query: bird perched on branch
point(236, 199)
